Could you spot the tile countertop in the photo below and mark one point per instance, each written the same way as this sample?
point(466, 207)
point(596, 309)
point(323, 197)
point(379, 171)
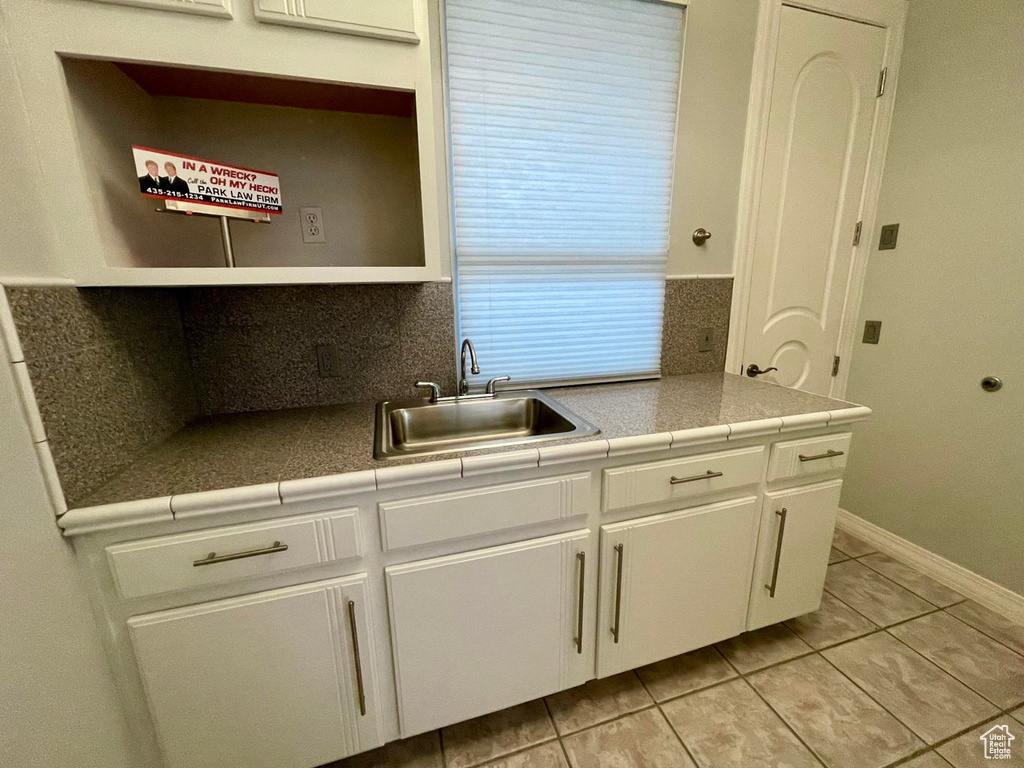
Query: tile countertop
point(265, 449)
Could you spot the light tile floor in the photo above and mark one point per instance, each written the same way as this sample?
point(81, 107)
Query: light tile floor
point(894, 669)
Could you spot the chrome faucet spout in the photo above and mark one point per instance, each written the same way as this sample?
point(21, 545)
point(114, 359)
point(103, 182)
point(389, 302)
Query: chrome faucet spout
point(475, 368)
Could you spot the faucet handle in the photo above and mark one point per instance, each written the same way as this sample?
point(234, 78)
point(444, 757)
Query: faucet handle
point(496, 380)
point(435, 390)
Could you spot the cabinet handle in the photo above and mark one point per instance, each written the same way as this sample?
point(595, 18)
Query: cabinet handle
point(706, 476)
point(618, 592)
point(829, 454)
point(778, 553)
point(213, 557)
point(355, 654)
point(581, 557)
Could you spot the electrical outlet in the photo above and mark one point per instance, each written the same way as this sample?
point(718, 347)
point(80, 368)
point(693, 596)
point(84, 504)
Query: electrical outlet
point(327, 361)
point(872, 331)
point(705, 339)
point(312, 225)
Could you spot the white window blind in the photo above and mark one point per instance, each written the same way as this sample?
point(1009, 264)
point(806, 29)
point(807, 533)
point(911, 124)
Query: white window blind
point(562, 116)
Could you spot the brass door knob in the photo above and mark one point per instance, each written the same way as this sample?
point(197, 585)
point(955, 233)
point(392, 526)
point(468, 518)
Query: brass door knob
point(701, 236)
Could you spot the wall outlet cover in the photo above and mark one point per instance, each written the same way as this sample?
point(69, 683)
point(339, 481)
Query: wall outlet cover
point(327, 361)
point(705, 339)
point(312, 220)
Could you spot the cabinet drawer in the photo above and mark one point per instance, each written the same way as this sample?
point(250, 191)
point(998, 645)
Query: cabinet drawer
point(386, 19)
point(685, 478)
point(183, 561)
point(408, 522)
point(808, 457)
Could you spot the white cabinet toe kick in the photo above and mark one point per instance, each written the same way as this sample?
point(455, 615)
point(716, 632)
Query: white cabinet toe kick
point(295, 636)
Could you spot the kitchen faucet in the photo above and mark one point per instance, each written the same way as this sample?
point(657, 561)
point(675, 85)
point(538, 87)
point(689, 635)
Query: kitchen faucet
point(463, 384)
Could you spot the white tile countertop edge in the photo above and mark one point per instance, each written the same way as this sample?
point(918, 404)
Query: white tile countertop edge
point(77, 522)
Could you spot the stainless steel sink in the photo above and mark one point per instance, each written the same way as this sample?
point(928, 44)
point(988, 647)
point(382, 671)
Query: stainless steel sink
point(418, 427)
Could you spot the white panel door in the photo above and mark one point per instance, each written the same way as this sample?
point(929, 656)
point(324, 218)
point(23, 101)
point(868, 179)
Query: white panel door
point(270, 680)
point(674, 582)
point(481, 631)
point(792, 553)
point(819, 134)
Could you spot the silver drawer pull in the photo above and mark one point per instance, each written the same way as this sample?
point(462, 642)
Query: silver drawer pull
point(581, 558)
point(829, 454)
point(355, 654)
point(618, 592)
point(213, 557)
point(778, 553)
point(706, 476)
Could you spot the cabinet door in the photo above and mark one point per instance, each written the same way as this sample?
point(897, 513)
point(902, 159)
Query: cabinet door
point(481, 631)
point(674, 582)
point(792, 553)
point(270, 680)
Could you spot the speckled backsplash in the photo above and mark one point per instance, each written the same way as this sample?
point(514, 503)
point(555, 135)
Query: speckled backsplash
point(254, 349)
point(691, 305)
point(110, 372)
point(117, 371)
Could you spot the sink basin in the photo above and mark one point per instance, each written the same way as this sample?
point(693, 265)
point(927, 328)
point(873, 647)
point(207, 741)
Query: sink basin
point(417, 427)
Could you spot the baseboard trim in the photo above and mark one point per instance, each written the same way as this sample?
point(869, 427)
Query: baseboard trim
point(967, 583)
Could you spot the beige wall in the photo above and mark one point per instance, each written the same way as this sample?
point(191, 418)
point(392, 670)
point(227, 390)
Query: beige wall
point(28, 237)
point(714, 91)
point(942, 462)
point(58, 706)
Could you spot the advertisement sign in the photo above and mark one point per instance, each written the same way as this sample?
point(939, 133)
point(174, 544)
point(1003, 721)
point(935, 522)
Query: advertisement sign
point(170, 176)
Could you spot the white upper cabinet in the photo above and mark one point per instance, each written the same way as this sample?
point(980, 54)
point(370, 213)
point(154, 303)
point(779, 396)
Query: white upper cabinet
point(792, 555)
point(221, 8)
point(481, 631)
point(674, 582)
point(279, 679)
point(387, 19)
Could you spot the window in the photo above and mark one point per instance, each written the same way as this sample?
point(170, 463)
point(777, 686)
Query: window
point(562, 116)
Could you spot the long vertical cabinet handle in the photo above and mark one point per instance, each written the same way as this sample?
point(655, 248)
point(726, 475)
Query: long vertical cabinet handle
point(581, 558)
point(355, 654)
point(618, 593)
point(778, 553)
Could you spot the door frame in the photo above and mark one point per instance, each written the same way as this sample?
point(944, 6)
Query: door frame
point(890, 15)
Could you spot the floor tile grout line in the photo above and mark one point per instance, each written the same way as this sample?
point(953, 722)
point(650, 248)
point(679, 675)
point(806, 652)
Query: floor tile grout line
point(679, 738)
point(949, 672)
point(619, 716)
point(885, 708)
point(837, 597)
point(785, 722)
point(885, 626)
point(896, 583)
point(701, 689)
point(982, 631)
point(911, 591)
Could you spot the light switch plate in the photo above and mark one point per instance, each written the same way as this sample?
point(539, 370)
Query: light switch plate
point(872, 330)
point(705, 339)
point(887, 240)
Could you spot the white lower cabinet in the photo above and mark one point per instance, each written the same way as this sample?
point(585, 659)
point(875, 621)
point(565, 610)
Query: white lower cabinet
point(480, 631)
point(796, 534)
point(278, 679)
point(674, 582)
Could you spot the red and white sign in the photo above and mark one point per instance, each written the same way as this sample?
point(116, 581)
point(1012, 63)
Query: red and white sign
point(170, 176)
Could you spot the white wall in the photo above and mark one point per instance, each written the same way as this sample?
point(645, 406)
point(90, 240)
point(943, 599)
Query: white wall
point(942, 462)
point(58, 707)
point(713, 96)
